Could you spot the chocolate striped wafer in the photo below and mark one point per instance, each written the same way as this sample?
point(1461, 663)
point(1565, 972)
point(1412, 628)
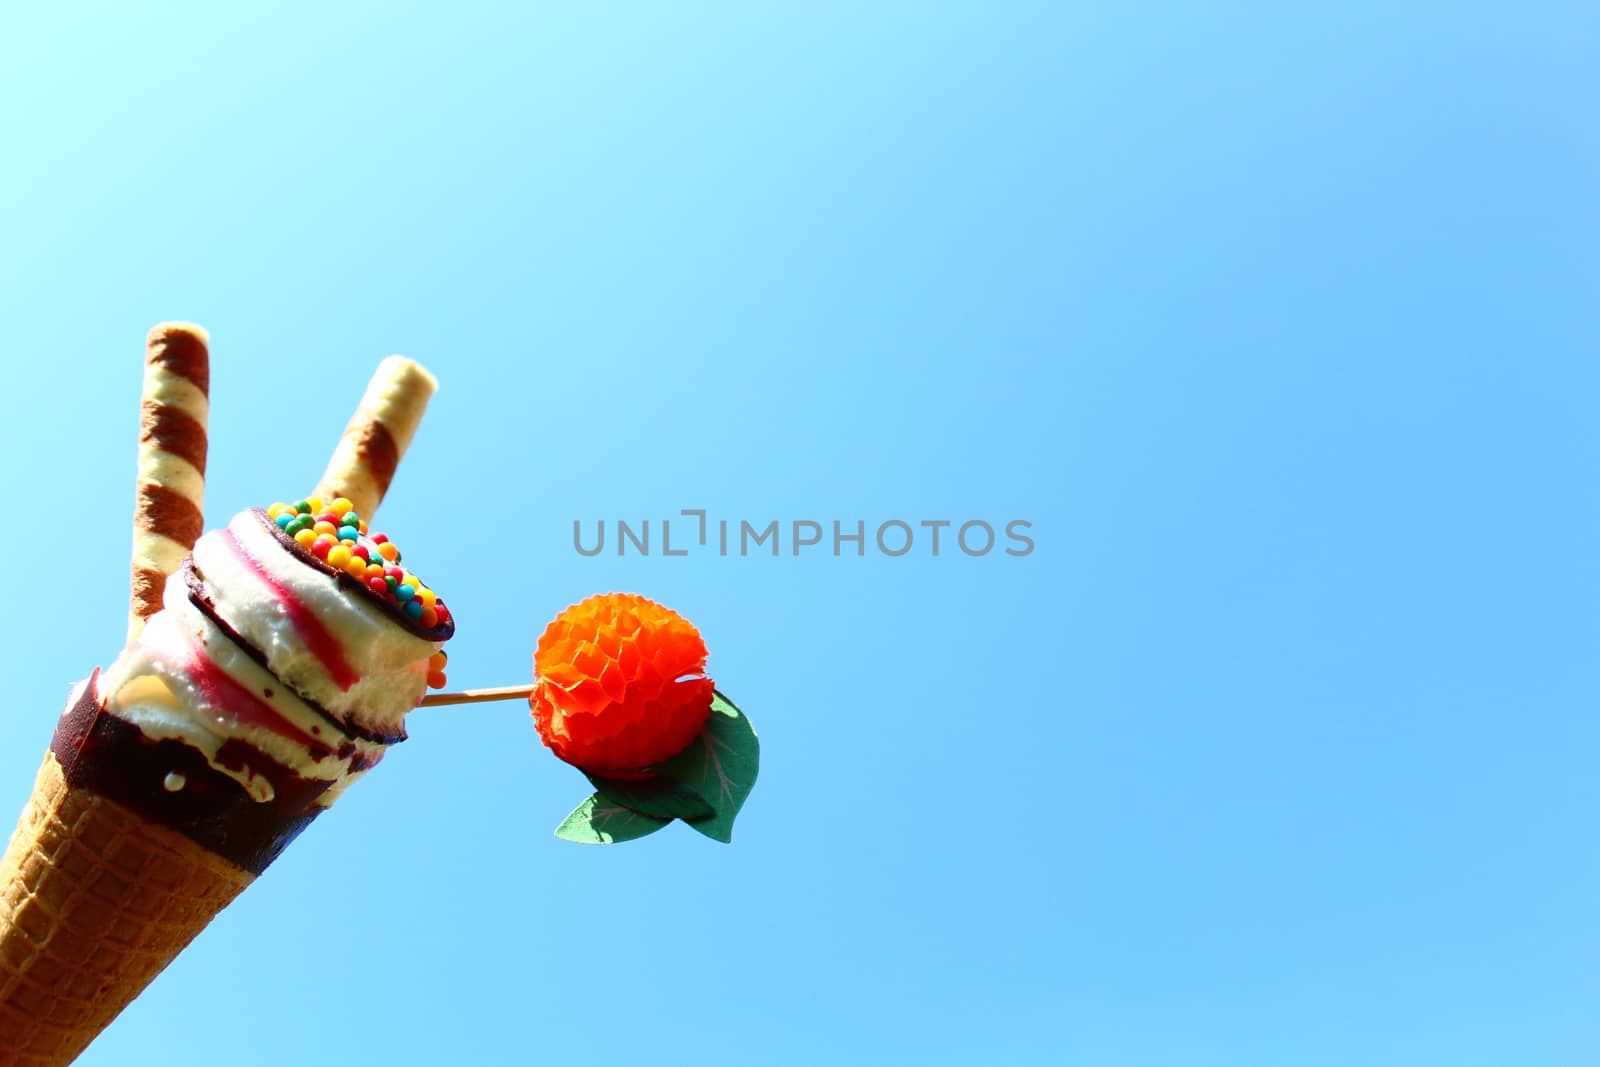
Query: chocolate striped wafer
point(172, 461)
point(379, 433)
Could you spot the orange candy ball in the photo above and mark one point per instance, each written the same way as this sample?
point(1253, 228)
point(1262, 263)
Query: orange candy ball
point(621, 685)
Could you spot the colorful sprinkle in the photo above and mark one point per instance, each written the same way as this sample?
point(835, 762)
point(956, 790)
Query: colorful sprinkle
point(333, 532)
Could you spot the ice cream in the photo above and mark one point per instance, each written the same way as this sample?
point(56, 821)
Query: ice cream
point(270, 663)
point(270, 680)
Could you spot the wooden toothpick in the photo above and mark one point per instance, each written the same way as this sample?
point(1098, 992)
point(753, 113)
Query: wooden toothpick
point(477, 696)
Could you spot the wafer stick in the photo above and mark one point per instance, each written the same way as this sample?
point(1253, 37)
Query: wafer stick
point(378, 435)
point(172, 462)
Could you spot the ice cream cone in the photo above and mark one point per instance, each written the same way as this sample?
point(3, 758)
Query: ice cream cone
point(252, 692)
point(95, 901)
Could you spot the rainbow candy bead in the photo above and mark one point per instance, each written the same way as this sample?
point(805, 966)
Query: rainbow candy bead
point(335, 535)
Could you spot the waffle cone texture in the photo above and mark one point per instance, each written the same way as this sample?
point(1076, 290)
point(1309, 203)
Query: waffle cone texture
point(95, 901)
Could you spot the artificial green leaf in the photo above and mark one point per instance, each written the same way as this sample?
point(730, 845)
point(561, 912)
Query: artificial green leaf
point(660, 798)
point(603, 822)
point(720, 766)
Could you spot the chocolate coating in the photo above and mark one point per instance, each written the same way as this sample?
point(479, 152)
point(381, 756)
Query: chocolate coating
point(107, 756)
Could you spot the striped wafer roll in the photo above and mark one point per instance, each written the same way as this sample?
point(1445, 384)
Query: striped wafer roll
point(378, 435)
point(172, 462)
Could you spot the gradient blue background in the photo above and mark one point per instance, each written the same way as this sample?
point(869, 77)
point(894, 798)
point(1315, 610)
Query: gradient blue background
point(1280, 328)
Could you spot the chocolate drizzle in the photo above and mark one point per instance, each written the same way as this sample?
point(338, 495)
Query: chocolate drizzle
point(114, 759)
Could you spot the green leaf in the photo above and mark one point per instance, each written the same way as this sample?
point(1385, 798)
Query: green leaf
point(661, 798)
point(603, 822)
point(720, 766)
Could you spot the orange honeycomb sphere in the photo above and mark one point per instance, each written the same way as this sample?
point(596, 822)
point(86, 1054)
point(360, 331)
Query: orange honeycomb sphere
point(621, 684)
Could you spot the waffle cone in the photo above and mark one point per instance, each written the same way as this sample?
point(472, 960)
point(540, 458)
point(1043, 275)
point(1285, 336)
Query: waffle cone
point(95, 901)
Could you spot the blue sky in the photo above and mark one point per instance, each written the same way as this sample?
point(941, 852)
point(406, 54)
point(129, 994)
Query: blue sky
point(1278, 327)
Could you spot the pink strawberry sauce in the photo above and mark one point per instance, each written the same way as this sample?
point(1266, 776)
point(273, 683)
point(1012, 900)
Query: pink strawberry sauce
point(220, 690)
point(319, 641)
